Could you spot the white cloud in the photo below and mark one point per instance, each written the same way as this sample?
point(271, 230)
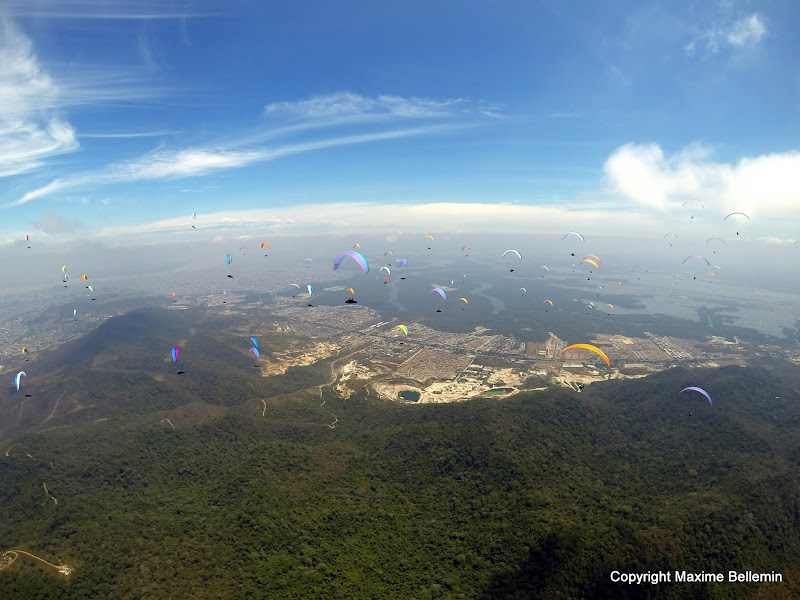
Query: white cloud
point(351, 105)
point(27, 136)
point(130, 134)
point(749, 30)
point(744, 33)
point(767, 186)
point(195, 162)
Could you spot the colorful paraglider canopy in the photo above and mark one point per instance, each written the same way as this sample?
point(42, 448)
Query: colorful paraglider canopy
point(356, 256)
point(255, 341)
point(84, 277)
point(697, 389)
point(173, 294)
point(310, 289)
point(464, 300)
point(439, 291)
point(428, 236)
point(550, 302)
point(465, 248)
point(593, 257)
point(402, 328)
point(351, 290)
point(402, 262)
point(175, 354)
point(388, 252)
point(255, 351)
point(588, 347)
point(24, 350)
point(357, 245)
point(17, 378)
point(64, 268)
point(228, 258)
point(265, 244)
point(591, 262)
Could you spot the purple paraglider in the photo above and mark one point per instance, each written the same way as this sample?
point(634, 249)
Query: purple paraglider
point(697, 389)
point(356, 256)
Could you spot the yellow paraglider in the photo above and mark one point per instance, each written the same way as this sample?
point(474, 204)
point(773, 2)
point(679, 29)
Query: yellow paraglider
point(402, 328)
point(588, 347)
point(351, 290)
point(465, 300)
point(550, 301)
point(84, 277)
point(594, 256)
point(591, 262)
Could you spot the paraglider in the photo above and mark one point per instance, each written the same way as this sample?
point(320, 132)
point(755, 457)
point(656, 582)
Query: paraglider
point(402, 328)
point(255, 351)
point(84, 277)
point(402, 262)
point(550, 302)
point(175, 354)
point(17, 378)
point(594, 257)
point(351, 290)
point(591, 262)
point(426, 237)
point(543, 269)
point(255, 341)
point(737, 215)
point(265, 244)
point(671, 237)
point(224, 293)
point(580, 237)
point(697, 256)
point(310, 289)
point(588, 347)
point(357, 245)
point(464, 300)
point(697, 389)
point(356, 256)
point(388, 270)
point(513, 252)
point(439, 291)
point(389, 252)
point(523, 290)
point(228, 258)
point(693, 205)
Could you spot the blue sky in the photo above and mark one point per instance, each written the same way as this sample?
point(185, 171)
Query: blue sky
point(124, 118)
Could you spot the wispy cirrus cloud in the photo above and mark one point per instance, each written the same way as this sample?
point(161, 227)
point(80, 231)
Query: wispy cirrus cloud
point(33, 127)
point(349, 105)
point(28, 136)
point(171, 164)
point(129, 134)
point(746, 32)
